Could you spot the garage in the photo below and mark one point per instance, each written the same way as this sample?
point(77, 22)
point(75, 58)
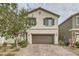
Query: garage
point(42, 39)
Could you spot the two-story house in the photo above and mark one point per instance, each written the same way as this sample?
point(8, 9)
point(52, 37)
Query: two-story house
point(69, 29)
point(44, 28)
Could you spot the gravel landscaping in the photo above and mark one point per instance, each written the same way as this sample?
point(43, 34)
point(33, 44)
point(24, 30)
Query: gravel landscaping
point(44, 50)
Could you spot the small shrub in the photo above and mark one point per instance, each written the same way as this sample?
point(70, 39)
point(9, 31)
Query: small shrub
point(61, 42)
point(23, 44)
point(77, 44)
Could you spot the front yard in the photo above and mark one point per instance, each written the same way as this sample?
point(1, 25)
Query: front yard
point(40, 50)
point(8, 51)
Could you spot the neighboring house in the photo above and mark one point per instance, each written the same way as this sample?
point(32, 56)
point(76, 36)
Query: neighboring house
point(69, 29)
point(45, 27)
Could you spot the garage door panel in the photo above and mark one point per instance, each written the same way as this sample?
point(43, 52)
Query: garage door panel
point(42, 39)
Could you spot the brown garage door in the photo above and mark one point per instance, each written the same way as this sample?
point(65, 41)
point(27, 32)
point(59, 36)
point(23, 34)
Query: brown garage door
point(42, 39)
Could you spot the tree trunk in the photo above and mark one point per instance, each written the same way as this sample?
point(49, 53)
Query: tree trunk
point(16, 42)
point(25, 37)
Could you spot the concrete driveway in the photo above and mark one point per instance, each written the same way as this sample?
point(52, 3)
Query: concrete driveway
point(44, 50)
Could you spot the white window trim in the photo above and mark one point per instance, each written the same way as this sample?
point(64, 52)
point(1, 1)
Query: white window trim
point(77, 20)
point(51, 24)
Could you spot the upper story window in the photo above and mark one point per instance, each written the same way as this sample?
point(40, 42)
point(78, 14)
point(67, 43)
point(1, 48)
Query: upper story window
point(32, 21)
point(77, 20)
point(48, 22)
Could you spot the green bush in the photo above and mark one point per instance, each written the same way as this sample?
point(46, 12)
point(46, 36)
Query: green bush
point(23, 44)
point(77, 44)
point(61, 42)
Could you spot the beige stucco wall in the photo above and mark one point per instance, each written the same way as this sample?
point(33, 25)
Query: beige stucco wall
point(40, 17)
point(40, 28)
point(55, 32)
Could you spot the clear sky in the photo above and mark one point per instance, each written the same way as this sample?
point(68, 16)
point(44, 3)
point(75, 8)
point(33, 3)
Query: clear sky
point(63, 9)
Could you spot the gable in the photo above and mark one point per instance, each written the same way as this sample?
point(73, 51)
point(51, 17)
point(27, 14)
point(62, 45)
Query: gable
point(71, 16)
point(39, 10)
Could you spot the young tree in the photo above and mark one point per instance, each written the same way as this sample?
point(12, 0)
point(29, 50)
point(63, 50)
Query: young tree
point(19, 24)
point(6, 16)
point(13, 21)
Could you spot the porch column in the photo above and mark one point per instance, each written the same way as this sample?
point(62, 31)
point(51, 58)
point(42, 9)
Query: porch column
point(73, 38)
point(56, 39)
point(73, 35)
point(29, 38)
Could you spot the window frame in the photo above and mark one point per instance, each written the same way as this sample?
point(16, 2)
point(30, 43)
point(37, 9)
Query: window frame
point(33, 18)
point(77, 20)
point(48, 18)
